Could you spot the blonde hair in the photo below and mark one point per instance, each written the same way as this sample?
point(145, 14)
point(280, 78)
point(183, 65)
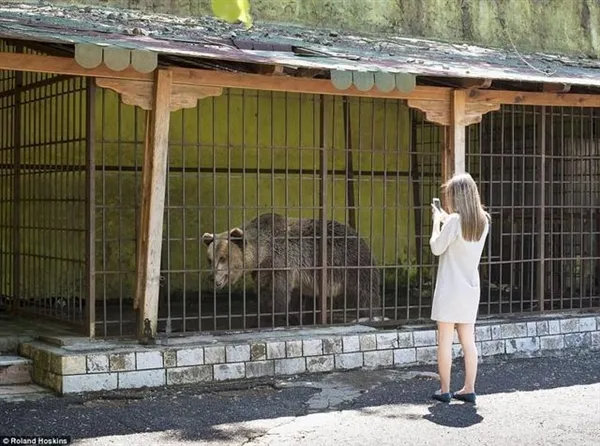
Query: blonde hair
point(462, 197)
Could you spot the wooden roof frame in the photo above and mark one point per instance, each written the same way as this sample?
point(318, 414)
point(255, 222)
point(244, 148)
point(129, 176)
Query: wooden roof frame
point(171, 88)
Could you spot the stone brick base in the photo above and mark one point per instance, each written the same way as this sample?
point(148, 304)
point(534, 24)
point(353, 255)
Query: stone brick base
point(95, 366)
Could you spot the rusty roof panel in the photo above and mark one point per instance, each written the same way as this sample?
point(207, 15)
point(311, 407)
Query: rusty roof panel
point(208, 38)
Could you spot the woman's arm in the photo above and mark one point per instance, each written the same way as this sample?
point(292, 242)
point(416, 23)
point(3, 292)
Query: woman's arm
point(441, 239)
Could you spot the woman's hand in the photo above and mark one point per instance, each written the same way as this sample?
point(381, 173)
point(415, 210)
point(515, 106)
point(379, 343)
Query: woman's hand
point(439, 215)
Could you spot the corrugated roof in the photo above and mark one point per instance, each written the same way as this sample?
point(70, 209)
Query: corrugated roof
point(208, 38)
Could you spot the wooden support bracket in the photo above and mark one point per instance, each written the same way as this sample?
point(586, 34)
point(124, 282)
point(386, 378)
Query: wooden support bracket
point(154, 176)
point(140, 93)
point(438, 111)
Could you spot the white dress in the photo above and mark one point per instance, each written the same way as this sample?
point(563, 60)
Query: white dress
point(457, 289)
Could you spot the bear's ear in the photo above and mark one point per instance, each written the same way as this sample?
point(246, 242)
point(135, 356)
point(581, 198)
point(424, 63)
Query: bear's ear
point(236, 235)
point(208, 238)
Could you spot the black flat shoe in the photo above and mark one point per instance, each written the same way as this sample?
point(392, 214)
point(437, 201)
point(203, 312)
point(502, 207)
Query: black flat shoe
point(466, 397)
point(443, 397)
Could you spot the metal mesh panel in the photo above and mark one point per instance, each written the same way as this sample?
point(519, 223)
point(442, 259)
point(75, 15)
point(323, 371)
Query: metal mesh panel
point(44, 191)
point(536, 167)
point(119, 158)
point(365, 165)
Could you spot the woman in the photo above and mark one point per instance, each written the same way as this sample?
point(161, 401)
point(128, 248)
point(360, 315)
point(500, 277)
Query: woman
point(458, 238)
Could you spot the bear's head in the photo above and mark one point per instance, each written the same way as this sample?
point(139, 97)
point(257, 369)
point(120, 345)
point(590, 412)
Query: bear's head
point(225, 254)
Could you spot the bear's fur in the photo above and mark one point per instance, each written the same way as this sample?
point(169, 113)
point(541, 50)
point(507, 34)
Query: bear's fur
point(283, 255)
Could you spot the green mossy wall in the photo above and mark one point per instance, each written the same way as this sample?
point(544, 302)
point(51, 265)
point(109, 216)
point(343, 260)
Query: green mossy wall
point(568, 26)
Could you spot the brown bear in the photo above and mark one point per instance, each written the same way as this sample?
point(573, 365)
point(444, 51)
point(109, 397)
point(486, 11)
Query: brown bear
point(283, 256)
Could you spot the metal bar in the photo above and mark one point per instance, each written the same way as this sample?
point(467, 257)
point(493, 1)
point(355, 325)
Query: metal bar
point(542, 222)
point(323, 212)
point(351, 202)
point(17, 122)
point(90, 215)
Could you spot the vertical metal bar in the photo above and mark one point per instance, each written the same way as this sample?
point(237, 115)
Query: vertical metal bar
point(90, 204)
point(349, 165)
point(323, 213)
point(415, 177)
point(17, 187)
point(542, 244)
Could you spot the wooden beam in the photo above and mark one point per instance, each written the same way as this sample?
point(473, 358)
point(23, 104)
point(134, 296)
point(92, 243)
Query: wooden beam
point(556, 88)
point(476, 83)
point(534, 98)
point(192, 76)
point(439, 112)
point(64, 65)
point(458, 130)
point(209, 78)
point(154, 177)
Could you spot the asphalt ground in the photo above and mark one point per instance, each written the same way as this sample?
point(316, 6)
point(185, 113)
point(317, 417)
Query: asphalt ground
point(541, 401)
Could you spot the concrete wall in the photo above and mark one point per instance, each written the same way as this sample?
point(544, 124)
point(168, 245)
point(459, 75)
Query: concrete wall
point(203, 360)
point(571, 26)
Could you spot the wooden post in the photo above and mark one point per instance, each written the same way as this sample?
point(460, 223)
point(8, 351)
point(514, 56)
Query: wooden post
point(154, 176)
point(458, 129)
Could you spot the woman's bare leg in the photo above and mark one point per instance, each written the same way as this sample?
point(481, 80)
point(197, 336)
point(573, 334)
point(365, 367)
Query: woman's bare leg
point(466, 336)
point(444, 353)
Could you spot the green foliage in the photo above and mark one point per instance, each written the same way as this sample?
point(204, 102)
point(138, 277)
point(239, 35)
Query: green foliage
point(233, 10)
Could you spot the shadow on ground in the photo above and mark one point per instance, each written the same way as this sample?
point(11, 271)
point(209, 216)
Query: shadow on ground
point(188, 414)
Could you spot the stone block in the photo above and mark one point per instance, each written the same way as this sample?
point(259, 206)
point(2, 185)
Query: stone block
point(332, 346)
point(426, 355)
point(347, 361)
point(257, 369)
point(317, 364)
point(378, 358)
point(368, 342)
point(122, 362)
point(587, 324)
point(552, 342)
point(569, 325)
point(93, 382)
point(578, 340)
point(386, 341)
point(290, 366)
point(405, 339)
point(517, 330)
point(190, 356)
point(351, 344)
point(225, 372)
point(142, 378)
point(405, 356)
point(294, 349)
point(312, 347)
point(149, 360)
point(542, 328)
point(258, 351)
point(496, 332)
point(483, 333)
point(532, 329)
point(596, 339)
point(425, 338)
point(72, 365)
point(97, 363)
point(189, 375)
point(526, 345)
point(214, 355)
point(237, 353)
point(554, 327)
point(170, 358)
point(275, 350)
point(491, 348)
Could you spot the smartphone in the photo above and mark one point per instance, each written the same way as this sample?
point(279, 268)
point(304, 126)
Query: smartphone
point(437, 204)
